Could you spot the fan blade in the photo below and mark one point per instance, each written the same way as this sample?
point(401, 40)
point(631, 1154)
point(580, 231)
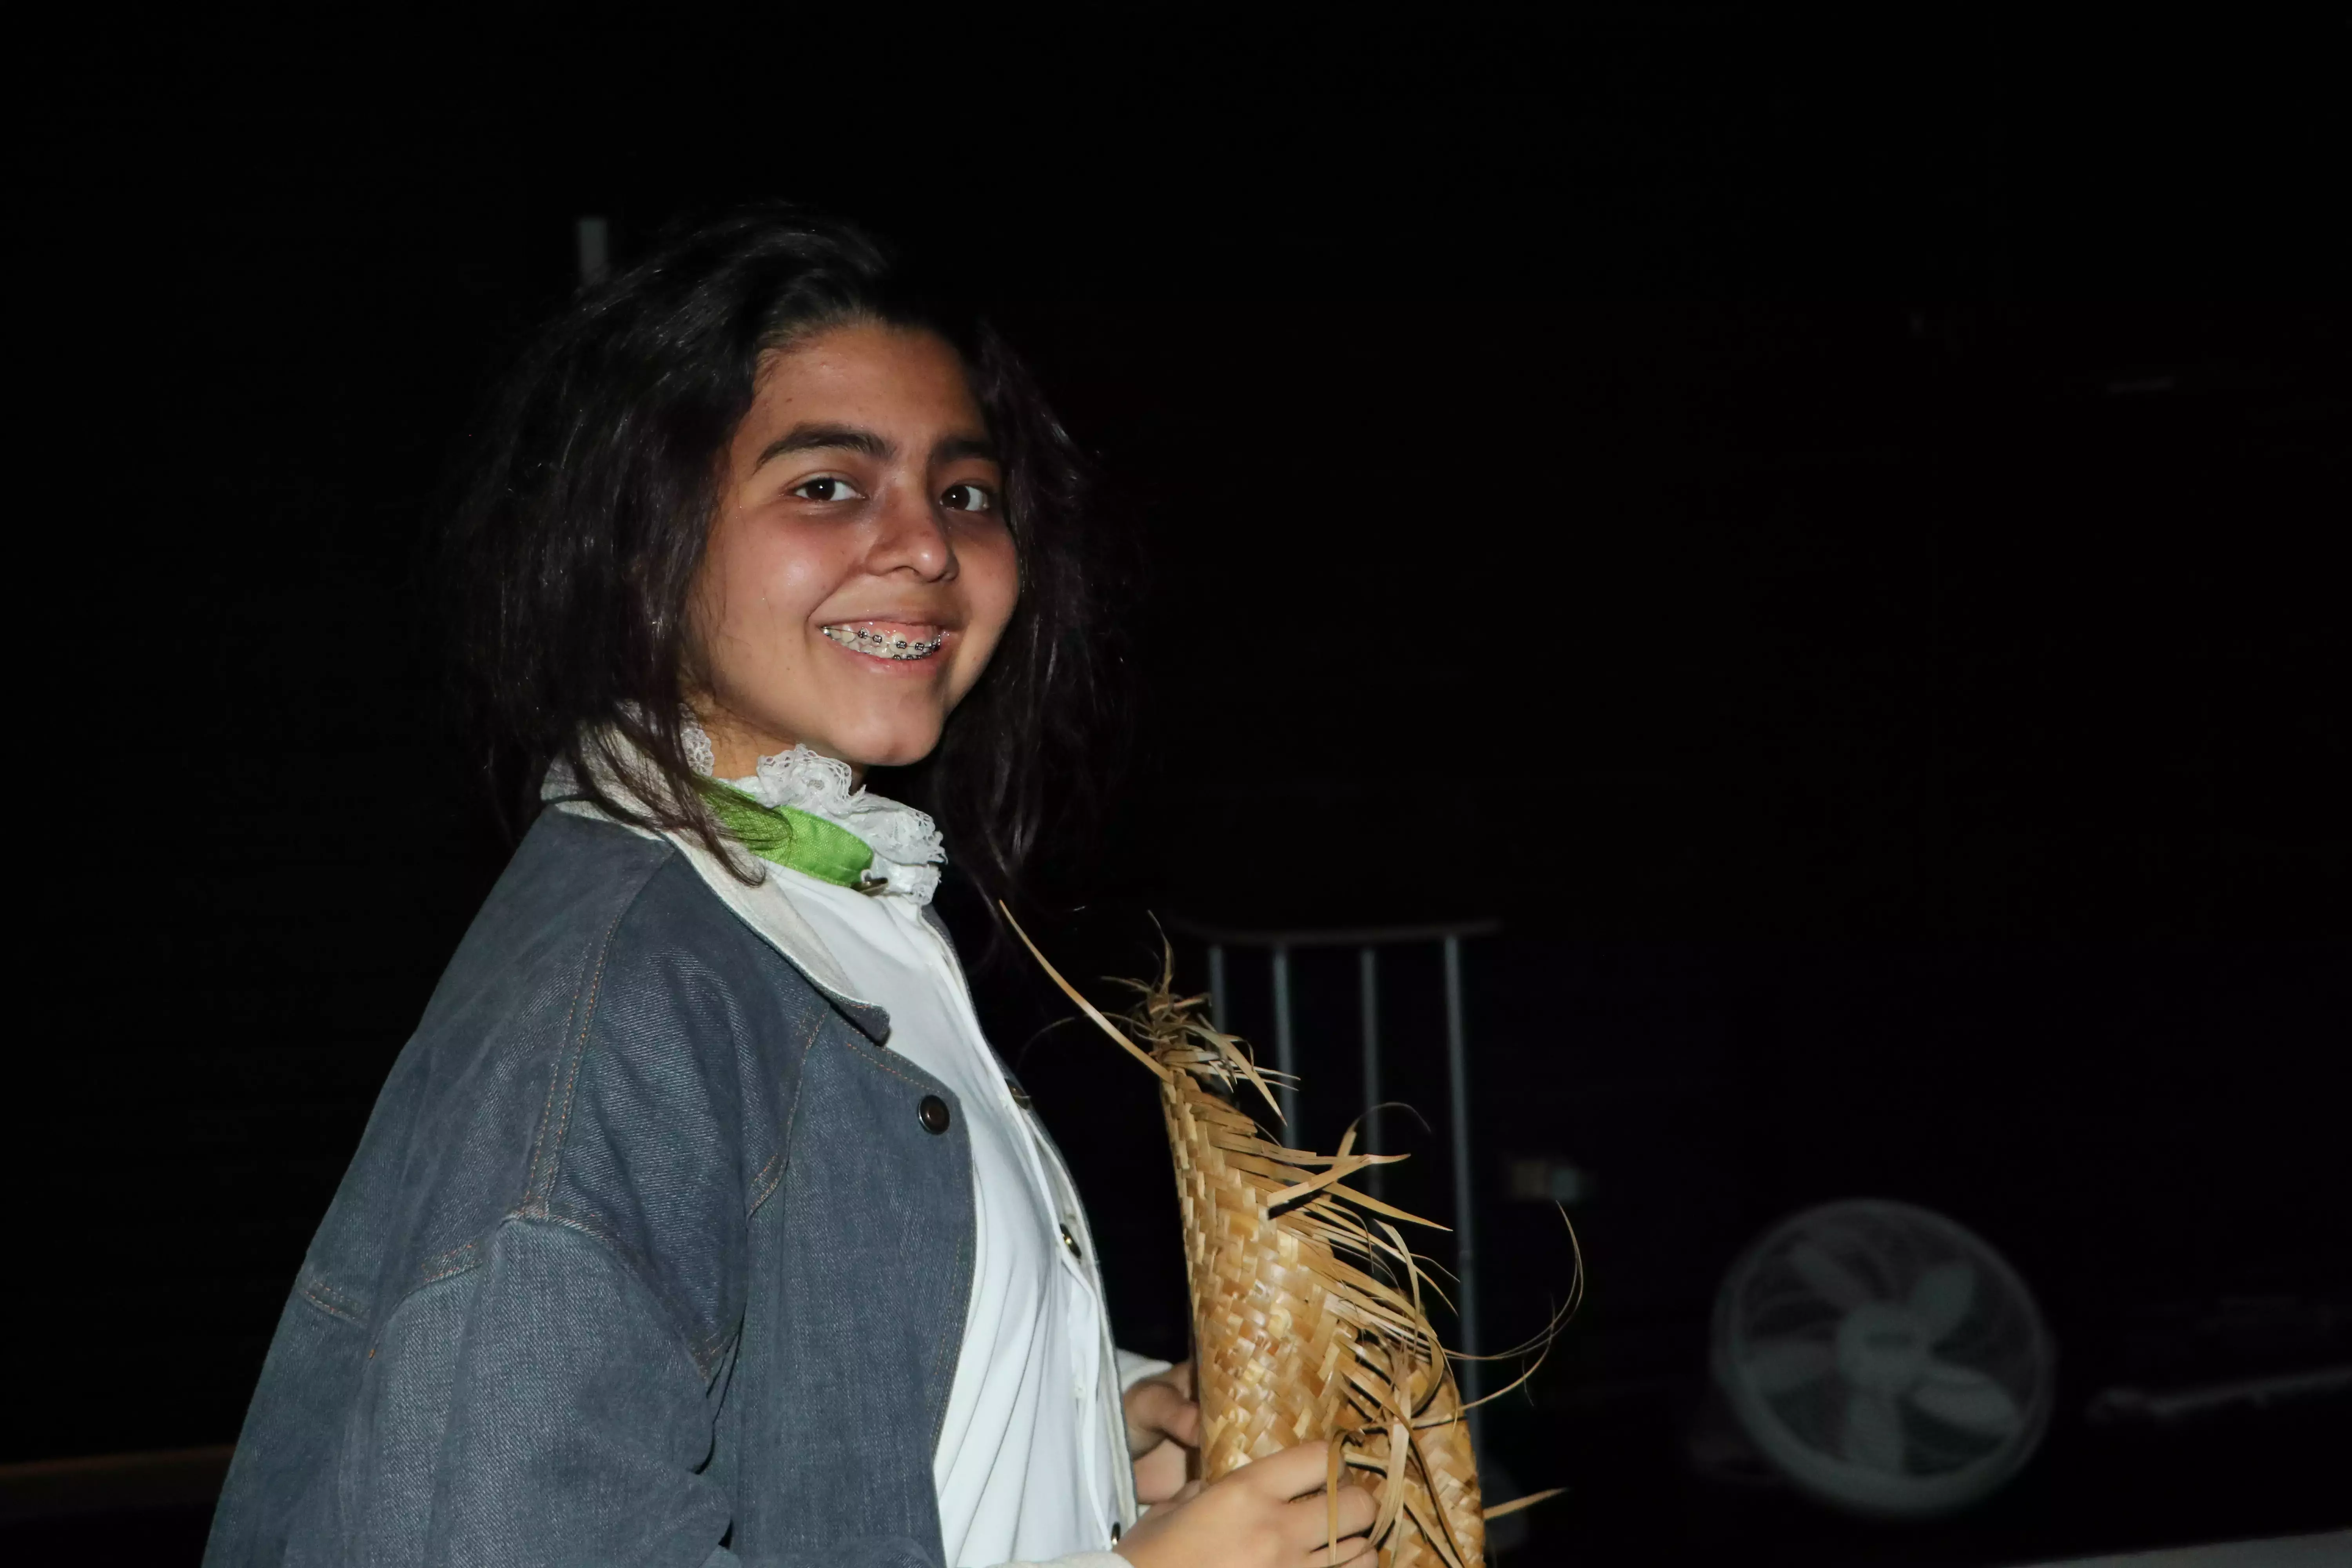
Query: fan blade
point(1966, 1398)
point(1873, 1434)
point(1943, 1296)
point(1778, 1366)
point(1830, 1279)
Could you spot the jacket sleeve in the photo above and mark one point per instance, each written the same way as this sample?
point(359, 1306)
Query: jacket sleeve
point(576, 1429)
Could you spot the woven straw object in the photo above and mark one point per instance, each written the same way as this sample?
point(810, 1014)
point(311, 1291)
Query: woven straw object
point(1307, 1318)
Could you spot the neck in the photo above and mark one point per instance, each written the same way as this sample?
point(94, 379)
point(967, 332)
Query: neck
point(737, 746)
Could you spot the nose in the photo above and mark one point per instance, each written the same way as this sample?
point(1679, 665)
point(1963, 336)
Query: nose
point(909, 536)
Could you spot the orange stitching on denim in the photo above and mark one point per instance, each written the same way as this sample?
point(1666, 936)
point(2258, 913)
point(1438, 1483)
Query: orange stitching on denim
point(451, 1272)
point(315, 1283)
point(547, 1111)
point(315, 1291)
point(331, 1310)
point(963, 1252)
point(455, 1258)
point(634, 1264)
point(773, 1161)
point(604, 953)
point(800, 1084)
point(427, 1281)
point(941, 1373)
point(886, 1066)
point(588, 1222)
point(579, 1050)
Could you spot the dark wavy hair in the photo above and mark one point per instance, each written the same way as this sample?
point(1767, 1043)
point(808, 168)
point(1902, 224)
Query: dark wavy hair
point(572, 551)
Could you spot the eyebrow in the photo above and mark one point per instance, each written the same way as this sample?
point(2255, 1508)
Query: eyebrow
point(824, 438)
point(850, 439)
point(954, 448)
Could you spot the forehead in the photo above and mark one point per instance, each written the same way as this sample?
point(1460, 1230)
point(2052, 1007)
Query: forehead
point(886, 378)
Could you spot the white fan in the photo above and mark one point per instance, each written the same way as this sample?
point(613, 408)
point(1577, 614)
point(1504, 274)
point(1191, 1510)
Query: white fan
point(1882, 1358)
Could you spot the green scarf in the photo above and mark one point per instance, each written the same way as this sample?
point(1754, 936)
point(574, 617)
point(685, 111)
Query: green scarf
point(793, 838)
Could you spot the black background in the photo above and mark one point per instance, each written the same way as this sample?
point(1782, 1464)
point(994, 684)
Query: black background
point(1831, 535)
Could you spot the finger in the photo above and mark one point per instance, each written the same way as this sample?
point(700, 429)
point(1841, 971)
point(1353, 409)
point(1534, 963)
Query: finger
point(1160, 1472)
point(1307, 1520)
point(1183, 1495)
point(1358, 1510)
point(1154, 1411)
point(1181, 1375)
point(1145, 1401)
point(1293, 1472)
point(1358, 1550)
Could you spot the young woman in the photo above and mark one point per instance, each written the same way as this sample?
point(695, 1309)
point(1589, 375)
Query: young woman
point(698, 1223)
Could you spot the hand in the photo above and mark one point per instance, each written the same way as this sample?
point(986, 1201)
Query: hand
point(1273, 1513)
point(1164, 1426)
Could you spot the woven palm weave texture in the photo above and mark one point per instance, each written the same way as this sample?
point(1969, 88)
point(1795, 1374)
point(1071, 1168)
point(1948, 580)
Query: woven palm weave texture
point(1300, 1332)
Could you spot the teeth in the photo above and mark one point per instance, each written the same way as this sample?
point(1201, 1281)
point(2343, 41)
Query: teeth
point(884, 645)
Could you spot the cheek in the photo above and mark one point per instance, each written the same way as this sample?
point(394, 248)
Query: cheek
point(760, 576)
point(992, 573)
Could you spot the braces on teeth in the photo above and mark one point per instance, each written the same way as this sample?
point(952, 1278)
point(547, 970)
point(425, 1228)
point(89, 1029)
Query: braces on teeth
point(883, 645)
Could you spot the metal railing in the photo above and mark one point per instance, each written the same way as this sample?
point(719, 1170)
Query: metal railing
point(1278, 945)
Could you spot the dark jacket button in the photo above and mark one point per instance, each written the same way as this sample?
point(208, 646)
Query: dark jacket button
point(934, 1112)
point(1020, 1095)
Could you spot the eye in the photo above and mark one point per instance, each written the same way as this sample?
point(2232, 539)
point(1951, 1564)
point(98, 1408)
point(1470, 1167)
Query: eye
point(826, 487)
point(968, 498)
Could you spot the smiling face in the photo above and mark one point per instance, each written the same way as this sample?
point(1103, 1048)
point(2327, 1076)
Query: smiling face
point(859, 570)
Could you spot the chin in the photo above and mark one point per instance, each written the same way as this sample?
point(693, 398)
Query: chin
point(891, 746)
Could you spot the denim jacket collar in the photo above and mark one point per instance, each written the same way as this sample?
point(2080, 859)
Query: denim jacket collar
point(763, 906)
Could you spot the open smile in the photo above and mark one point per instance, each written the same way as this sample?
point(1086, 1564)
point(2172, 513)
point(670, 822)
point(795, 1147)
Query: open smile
point(888, 640)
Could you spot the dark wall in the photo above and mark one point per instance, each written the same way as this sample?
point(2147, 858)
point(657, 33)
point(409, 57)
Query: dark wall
point(1834, 540)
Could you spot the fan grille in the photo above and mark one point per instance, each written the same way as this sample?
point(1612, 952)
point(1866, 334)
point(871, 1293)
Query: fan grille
point(1883, 1357)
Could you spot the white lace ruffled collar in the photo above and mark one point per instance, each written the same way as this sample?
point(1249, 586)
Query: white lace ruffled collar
point(908, 852)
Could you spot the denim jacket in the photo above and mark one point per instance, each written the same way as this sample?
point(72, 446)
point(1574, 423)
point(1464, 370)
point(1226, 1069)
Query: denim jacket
point(653, 1252)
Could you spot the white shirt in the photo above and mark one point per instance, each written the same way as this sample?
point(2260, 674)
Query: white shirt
point(1024, 1464)
point(1032, 1461)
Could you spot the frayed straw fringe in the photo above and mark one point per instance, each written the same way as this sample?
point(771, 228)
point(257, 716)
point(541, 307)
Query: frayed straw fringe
point(1307, 1323)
